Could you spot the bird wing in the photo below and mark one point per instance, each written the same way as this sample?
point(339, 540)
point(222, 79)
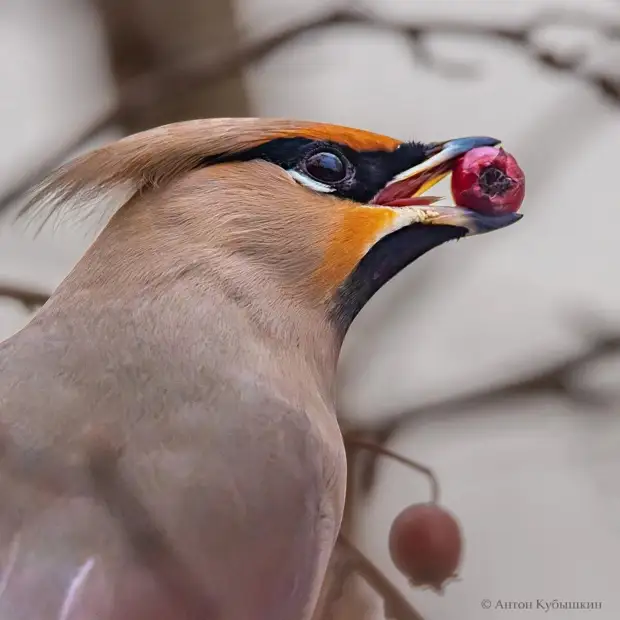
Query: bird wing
point(70, 556)
point(76, 543)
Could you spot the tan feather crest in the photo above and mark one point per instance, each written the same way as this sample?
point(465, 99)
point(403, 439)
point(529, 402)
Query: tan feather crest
point(155, 157)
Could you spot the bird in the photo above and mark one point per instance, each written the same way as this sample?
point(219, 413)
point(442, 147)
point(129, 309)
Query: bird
point(169, 444)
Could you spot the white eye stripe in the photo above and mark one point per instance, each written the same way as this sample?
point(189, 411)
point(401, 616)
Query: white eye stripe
point(311, 183)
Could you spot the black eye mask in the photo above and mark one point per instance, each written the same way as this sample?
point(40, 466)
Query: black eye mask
point(367, 171)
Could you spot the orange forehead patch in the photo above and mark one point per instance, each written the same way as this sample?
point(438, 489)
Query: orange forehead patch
point(357, 139)
point(357, 231)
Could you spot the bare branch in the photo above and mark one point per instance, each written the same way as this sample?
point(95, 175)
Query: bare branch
point(559, 380)
point(30, 299)
point(171, 82)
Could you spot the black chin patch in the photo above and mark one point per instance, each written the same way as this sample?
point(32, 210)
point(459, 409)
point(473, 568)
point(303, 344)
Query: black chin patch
point(383, 261)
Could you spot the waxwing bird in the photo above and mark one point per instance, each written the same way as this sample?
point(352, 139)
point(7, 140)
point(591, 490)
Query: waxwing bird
point(199, 336)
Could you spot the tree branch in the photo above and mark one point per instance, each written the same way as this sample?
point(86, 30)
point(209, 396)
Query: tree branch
point(30, 299)
point(559, 379)
point(171, 82)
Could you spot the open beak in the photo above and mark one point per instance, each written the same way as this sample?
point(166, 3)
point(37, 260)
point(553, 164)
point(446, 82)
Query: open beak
point(405, 189)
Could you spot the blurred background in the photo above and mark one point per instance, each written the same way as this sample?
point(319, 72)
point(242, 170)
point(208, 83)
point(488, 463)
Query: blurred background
point(492, 361)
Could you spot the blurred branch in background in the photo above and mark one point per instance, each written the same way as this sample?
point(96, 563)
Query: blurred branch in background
point(142, 97)
point(29, 299)
point(559, 379)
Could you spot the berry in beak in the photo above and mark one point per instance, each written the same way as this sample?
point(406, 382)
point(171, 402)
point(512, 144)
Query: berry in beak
point(405, 189)
point(488, 180)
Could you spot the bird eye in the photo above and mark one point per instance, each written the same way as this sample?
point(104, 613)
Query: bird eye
point(326, 167)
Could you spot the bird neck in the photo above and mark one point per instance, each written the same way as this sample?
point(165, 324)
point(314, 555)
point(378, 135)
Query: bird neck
point(224, 300)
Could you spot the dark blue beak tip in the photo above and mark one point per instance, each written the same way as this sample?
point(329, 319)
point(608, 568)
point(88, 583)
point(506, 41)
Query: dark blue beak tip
point(506, 218)
point(510, 218)
point(478, 141)
point(459, 146)
point(488, 223)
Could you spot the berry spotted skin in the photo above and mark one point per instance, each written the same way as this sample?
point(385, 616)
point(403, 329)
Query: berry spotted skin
point(488, 180)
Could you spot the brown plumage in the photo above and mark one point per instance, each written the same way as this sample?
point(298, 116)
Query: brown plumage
point(199, 336)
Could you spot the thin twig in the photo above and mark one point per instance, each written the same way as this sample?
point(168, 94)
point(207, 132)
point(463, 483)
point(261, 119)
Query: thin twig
point(379, 450)
point(169, 83)
point(396, 605)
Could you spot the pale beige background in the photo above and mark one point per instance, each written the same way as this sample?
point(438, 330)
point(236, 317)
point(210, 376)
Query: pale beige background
point(536, 485)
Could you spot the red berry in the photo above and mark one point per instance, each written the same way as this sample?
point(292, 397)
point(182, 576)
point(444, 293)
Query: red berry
point(425, 545)
point(488, 180)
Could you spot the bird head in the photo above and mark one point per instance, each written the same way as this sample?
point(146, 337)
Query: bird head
point(327, 213)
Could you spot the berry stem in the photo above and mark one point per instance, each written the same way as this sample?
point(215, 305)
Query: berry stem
point(377, 449)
